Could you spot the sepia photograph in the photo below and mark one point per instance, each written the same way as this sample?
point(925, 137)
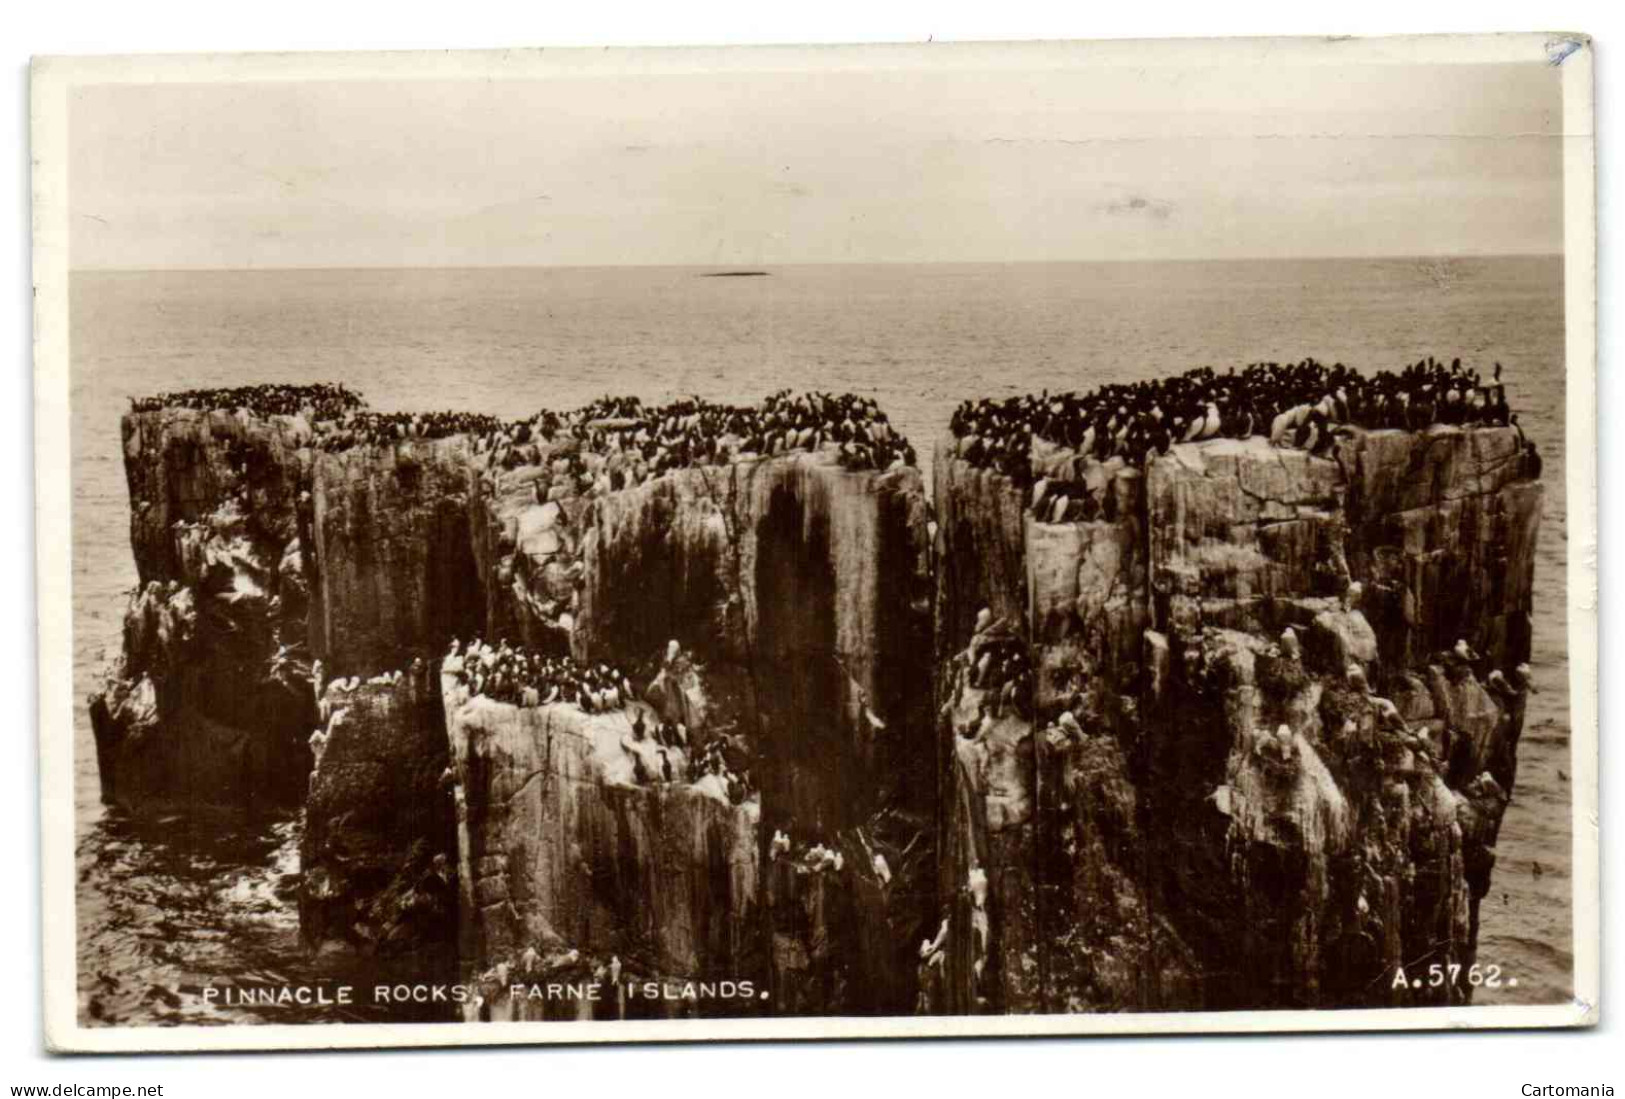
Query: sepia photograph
point(798, 542)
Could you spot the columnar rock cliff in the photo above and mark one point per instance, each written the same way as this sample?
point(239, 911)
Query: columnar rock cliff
point(1248, 768)
point(1274, 783)
point(567, 861)
point(378, 854)
point(396, 569)
point(210, 698)
point(799, 593)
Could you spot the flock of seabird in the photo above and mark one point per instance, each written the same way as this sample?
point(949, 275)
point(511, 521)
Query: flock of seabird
point(523, 677)
point(609, 444)
point(321, 401)
point(815, 856)
point(1303, 405)
point(616, 443)
point(364, 427)
point(1002, 671)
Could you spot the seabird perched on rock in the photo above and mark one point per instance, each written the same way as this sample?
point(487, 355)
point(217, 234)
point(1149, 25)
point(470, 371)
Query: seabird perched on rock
point(1524, 677)
point(1290, 648)
point(1464, 652)
point(882, 870)
point(979, 673)
point(1284, 740)
point(1057, 511)
point(1390, 714)
point(1352, 596)
point(984, 619)
point(448, 779)
point(929, 947)
point(976, 882)
point(673, 651)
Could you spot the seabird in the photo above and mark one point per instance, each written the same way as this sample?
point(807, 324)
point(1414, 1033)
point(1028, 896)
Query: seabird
point(1283, 738)
point(1390, 714)
point(1525, 678)
point(976, 881)
point(882, 870)
point(1352, 595)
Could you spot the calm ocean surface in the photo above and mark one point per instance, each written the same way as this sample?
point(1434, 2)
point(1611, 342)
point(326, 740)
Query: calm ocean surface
point(166, 906)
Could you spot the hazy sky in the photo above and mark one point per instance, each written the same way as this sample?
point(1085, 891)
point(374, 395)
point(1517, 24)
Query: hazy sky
point(769, 168)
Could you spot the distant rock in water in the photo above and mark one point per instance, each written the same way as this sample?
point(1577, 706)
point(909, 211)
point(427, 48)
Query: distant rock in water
point(734, 275)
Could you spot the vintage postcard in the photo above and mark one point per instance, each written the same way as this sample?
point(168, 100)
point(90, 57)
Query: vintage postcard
point(681, 544)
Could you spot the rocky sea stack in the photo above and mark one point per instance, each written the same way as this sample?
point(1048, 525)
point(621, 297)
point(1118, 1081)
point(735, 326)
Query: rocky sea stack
point(804, 737)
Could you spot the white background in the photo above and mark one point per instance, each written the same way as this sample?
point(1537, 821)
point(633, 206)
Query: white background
point(1473, 1065)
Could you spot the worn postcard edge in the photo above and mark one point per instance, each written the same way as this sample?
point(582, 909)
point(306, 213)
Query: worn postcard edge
point(54, 77)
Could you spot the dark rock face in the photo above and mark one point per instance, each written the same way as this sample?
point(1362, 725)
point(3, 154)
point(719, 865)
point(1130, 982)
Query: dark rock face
point(379, 850)
point(804, 590)
point(210, 698)
point(397, 568)
point(1273, 791)
point(981, 531)
point(799, 593)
